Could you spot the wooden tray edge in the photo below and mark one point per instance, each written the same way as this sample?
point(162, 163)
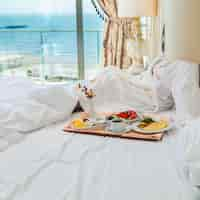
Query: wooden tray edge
point(135, 135)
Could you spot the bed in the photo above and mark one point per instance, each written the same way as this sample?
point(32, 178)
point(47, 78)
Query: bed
point(48, 164)
point(51, 165)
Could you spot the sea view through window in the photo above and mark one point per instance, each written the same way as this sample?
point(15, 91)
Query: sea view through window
point(38, 39)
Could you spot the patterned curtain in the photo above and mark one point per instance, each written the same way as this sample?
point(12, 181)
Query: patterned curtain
point(117, 30)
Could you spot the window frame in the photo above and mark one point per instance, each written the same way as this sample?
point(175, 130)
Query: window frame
point(80, 39)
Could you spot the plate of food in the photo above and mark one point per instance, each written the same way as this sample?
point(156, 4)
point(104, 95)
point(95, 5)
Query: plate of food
point(149, 125)
point(81, 124)
point(127, 116)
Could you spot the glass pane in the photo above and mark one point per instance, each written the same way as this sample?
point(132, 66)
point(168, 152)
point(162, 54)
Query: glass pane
point(146, 27)
point(93, 31)
point(38, 39)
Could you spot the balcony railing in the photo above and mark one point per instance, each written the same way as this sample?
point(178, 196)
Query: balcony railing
point(47, 54)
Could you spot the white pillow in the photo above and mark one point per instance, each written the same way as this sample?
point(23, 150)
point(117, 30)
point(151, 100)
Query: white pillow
point(27, 115)
point(160, 70)
point(42, 107)
point(186, 91)
point(143, 92)
point(56, 97)
point(13, 88)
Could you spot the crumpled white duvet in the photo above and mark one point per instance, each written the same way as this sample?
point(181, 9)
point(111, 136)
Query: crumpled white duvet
point(191, 146)
point(125, 91)
point(51, 165)
point(25, 107)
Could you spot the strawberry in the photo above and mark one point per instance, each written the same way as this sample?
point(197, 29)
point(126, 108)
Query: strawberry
point(127, 114)
point(123, 115)
point(132, 114)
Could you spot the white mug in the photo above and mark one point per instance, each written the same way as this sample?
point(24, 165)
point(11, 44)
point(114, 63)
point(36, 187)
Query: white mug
point(117, 126)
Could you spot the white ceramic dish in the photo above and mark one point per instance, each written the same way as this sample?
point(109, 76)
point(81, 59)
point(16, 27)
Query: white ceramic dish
point(97, 120)
point(114, 131)
point(130, 121)
point(137, 129)
point(117, 127)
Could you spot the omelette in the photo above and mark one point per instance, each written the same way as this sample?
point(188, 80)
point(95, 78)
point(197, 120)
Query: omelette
point(156, 126)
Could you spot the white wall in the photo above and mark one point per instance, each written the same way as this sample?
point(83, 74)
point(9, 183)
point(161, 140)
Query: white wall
point(182, 19)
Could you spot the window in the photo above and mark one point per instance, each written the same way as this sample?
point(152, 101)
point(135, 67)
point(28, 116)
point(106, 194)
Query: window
point(93, 32)
point(38, 39)
point(146, 27)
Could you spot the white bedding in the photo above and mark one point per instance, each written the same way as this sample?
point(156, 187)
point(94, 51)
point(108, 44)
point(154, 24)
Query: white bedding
point(126, 91)
point(46, 164)
point(191, 147)
point(25, 107)
point(51, 165)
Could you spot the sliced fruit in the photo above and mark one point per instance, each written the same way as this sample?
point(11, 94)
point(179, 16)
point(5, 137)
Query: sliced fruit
point(123, 115)
point(127, 115)
point(79, 123)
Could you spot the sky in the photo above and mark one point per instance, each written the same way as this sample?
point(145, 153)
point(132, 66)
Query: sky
point(42, 6)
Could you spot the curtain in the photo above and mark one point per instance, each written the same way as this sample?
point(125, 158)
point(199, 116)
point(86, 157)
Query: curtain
point(117, 30)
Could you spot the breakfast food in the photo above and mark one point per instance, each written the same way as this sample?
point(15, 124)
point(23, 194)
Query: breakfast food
point(127, 115)
point(79, 124)
point(148, 124)
point(156, 126)
point(145, 122)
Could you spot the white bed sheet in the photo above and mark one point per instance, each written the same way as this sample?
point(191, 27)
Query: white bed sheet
point(51, 165)
point(20, 97)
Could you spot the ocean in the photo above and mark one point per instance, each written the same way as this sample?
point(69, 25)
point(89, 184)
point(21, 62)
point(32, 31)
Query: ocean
point(37, 36)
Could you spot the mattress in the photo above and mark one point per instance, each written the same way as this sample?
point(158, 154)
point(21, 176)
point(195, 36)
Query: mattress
point(49, 164)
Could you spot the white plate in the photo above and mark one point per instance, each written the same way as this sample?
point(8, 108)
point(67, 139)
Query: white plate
point(115, 132)
point(86, 128)
point(131, 120)
point(137, 129)
point(97, 121)
point(90, 125)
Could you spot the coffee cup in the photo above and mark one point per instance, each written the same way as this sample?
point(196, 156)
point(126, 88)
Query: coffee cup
point(117, 126)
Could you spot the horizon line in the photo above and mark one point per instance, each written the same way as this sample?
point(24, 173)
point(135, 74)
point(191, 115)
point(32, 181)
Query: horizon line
point(41, 13)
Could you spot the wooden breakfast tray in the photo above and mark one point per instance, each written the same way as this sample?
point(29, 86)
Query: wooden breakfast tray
point(131, 135)
point(101, 132)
